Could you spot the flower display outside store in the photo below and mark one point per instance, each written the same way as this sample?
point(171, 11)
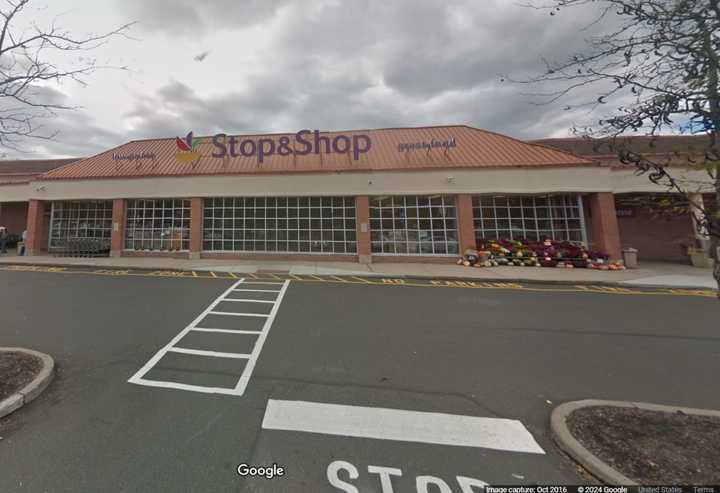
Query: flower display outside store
point(529, 253)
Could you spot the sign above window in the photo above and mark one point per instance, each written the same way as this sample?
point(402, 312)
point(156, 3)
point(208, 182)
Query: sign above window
point(301, 144)
point(625, 212)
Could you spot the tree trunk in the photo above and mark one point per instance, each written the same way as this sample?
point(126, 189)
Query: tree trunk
point(715, 243)
point(713, 93)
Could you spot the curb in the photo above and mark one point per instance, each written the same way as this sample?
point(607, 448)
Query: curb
point(598, 468)
point(558, 282)
point(34, 388)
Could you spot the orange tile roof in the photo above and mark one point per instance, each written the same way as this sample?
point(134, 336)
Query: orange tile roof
point(475, 149)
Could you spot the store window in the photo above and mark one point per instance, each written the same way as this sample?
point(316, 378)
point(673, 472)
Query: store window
point(158, 225)
point(532, 217)
point(280, 224)
point(413, 225)
point(80, 220)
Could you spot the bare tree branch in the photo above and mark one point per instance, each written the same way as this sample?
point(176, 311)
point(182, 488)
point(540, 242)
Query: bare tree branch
point(662, 64)
point(27, 75)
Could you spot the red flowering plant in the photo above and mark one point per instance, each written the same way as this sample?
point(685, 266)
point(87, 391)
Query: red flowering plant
point(545, 253)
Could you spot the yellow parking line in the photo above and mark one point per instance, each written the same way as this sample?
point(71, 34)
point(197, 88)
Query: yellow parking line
point(590, 289)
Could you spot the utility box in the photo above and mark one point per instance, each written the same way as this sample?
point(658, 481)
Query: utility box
point(630, 258)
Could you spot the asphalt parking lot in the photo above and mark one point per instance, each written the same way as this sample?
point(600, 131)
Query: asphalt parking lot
point(168, 384)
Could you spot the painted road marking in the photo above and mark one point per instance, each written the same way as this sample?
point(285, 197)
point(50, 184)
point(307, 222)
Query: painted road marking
point(202, 352)
point(251, 358)
point(228, 331)
point(248, 301)
point(258, 290)
point(183, 386)
point(374, 281)
point(401, 425)
point(233, 314)
point(384, 476)
point(247, 372)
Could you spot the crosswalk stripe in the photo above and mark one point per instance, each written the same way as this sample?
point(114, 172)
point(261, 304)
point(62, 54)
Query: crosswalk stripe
point(257, 290)
point(245, 300)
point(227, 331)
point(396, 424)
point(260, 342)
point(233, 314)
point(239, 389)
point(202, 352)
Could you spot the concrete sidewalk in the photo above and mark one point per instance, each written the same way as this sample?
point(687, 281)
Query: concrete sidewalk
point(649, 273)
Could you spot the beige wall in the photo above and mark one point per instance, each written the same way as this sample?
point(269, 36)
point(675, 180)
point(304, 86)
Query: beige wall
point(15, 193)
point(625, 181)
point(451, 181)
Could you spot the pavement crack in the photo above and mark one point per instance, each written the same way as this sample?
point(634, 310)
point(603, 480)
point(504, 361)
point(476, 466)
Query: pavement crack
point(345, 385)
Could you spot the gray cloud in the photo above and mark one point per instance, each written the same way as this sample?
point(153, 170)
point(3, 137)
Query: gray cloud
point(358, 64)
point(189, 18)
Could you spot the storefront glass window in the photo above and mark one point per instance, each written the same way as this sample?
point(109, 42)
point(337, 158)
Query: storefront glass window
point(413, 225)
point(282, 225)
point(518, 217)
point(158, 225)
point(80, 220)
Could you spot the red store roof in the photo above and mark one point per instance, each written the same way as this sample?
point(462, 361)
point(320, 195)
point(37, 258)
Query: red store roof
point(474, 148)
point(25, 170)
point(670, 149)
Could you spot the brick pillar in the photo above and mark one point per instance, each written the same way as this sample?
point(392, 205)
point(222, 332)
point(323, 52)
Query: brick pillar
point(605, 233)
point(362, 218)
point(117, 234)
point(37, 233)
point(196, 227)
point(466, 226)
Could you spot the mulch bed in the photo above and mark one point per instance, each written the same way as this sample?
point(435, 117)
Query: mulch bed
point(16, 371)
point(651, 447)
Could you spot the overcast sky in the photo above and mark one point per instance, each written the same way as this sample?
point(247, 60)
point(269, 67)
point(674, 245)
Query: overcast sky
point(285, 65)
